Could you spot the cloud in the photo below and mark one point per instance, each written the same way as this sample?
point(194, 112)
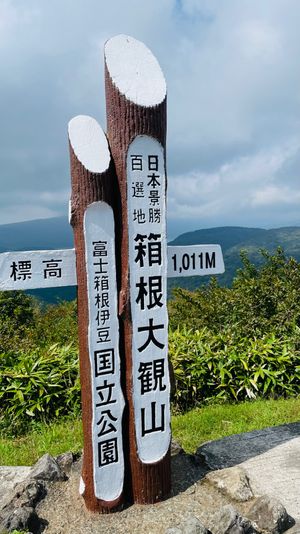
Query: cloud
point(272, 195)
point(237, 189)
point(233, 101)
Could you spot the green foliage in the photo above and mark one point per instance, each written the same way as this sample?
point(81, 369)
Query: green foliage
point(268, 297)
point(17, 313)
point(262, 300)
point(190, 429)
point(56, 437)
point(38, 385)
point(241, 342)
point(56, 324)
point(210, 307)
point(39, 377)
point(222, 367)
point(225, 345)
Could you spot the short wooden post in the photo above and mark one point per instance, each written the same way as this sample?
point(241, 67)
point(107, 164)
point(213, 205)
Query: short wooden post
point(136, 129)
point(91, 215)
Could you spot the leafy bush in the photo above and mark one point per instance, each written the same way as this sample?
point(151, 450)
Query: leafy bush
point(222, 367)
point(17, 318)
point(39, 385)
point(55, 324)
point(25, 324)
point(262, 299)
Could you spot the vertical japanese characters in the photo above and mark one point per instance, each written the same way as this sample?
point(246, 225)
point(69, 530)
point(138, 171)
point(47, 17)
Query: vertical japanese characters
point(103, 337)
point(146, 193)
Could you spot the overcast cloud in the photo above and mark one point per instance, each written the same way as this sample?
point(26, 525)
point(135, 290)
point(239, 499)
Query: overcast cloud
point(233, 74)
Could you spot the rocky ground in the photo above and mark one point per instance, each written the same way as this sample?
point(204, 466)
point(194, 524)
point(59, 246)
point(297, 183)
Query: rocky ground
point(204, 498)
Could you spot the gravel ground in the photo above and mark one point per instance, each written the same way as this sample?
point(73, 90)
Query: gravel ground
point(65, 513)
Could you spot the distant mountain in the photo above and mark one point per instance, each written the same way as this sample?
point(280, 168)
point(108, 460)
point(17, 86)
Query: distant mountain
point(56, 233)
point(41, 234)
point(233, 239)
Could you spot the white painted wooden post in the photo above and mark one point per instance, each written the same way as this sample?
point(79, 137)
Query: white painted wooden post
point(92, 219)
point(136, 129)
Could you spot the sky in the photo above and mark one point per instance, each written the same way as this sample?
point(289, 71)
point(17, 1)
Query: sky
point(233, 77)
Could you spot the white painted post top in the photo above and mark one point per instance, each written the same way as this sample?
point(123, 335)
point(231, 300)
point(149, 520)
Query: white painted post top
point(89, 143)
point(135, 71)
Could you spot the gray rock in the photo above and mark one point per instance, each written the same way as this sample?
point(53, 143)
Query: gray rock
point(233, 482)
point(176, 448)
point(269, 515)
point(22, 518)
point(46, 468)
point(19, 513)
point(27, 494)
point(228, 521)
point(238, 448)
point(190, 525)
point(9, 478)
point(295, 529)
point(65, 461)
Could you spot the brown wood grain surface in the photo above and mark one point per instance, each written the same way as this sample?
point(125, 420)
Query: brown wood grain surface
point(87, 187)
point(126, 120)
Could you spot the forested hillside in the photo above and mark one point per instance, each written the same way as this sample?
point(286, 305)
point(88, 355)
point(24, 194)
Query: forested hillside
point(234, 239)
point(56, 233)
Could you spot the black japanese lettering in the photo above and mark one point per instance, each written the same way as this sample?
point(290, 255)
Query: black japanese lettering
point(154, 427)
point(154, 249)
point(151, 338)
point(99, 248)
point(108, 452)
point(154, 293)
point(105, 392)
point(21, 270)
point(104, 283)
point(153, 182)
point(136, 162)
point(101, 264)
point(138, 189)
point(139, 216)
point(103, 334)
point(154, 197)
point(151, 375)
point(52, 269)
point(154, 215)
point(153, 163)
point(104, 362)
point(105, 424)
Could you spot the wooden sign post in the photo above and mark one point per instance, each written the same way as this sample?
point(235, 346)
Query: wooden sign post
point(122, 281)
point(136, 129)
point(102, 399)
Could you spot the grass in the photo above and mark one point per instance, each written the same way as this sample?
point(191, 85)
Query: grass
point(190, 429)
point(216, 421)
point(61, 436)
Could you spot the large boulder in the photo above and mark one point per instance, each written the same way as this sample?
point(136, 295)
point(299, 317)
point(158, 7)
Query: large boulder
point(233, 482)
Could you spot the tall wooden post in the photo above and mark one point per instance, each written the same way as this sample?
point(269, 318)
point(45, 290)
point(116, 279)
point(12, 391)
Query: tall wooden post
point(136, 129)
point(93, 184)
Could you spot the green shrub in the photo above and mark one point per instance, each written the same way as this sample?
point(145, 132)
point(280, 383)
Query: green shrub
point(17, 320)
point(262, 299)
point(55, 324)
point(222, 367)
point(38, 386)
